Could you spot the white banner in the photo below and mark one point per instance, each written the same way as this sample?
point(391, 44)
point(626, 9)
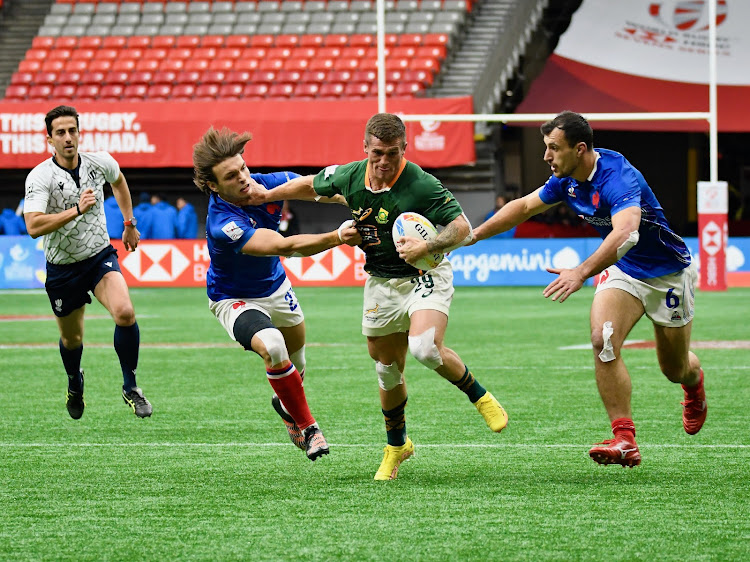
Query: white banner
point(666, 40)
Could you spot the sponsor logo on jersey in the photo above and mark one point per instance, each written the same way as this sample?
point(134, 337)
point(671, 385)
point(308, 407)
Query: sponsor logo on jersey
point(572, 192)
point(382, 217)
point(360, 215)
point(676, 316)
point(595, 199)
point(328, 172)
point(233, 231)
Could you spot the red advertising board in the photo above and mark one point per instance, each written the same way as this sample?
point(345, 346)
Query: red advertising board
point(712, 234)
point(184, 263)
point(285, 133)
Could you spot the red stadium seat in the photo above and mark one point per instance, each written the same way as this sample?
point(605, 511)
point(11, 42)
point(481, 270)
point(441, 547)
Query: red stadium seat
point(132, 53)
point(111, 92)
point(331, 90)
point(117, 77)
point(138, 42)
point(238, 77)
point(339, 76)
point(90, 42)
point(215, 41)
point(63, 92)
point(286, 41)
point(224, 65)
point(271, 64)
point(390, 88)
point(354, 52)
point(408, 89)
point(433, 51)
point(114, 42)
point(239, 41)
point(164, 77)
point(140, 77)
point(394, 63)
point(207, 91)
point(313, 40)
point(16, 92)
point(147, 65)
point(288, 76)
point(41, 54)
point(296, 64)
point(263, 77)
point(255, 91)
point(346, 63)
point(90, 91)
point(164, 42)
point(123, 65)
point(190, 41)
point(403, 51)
point(424, 77)
point(304, 52)
point(196, 64)
point(82, 54)
point(106, 54)
point(183, 91)
point(65, 42)
point(158, 54)
point(336, 40)
point(321, 63)
point(394, 75)
point(279, 90)
point(262, 41)
point(40, 92)
point(391, 39)
point(43, 43)
point(246, 64)
point(25, 78)
point(313, 76)
point(435, 39)
point(364, 76)
point(357, 89)
point(171, 65)
point(100, 65)
point(200, 53)
point(135, 92)
point(229, 53)
point(54, 54)
point(329, 52)
point(361, 40)
point(29, 66)
point(158, 92)
point(424, 63)
point(279, 52)
point(92, 78)
point(72, 77)
point(212, 77)
point(254, 52)
point(306, 90)
point(188, 77)
point(76, 65)
point(230, 91)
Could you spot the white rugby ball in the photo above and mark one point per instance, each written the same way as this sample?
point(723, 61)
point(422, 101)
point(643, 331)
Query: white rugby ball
point(414, 225)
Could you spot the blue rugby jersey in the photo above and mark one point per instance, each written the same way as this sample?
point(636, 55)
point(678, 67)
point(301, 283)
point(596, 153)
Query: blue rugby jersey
point(233, 274)
point(614, 185)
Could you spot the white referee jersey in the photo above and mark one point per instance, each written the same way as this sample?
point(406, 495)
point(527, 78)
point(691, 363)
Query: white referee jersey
point(52, 189)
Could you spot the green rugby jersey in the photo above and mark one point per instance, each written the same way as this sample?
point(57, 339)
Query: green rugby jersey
point(414, 190)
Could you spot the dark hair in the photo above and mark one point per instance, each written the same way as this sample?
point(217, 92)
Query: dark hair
point(574, 126)
point(212, 149)
point(385, 126)
point(60, 111)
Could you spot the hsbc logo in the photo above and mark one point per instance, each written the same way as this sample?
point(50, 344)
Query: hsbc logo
point(156, 262)
point(325, 266)
point(711, 238)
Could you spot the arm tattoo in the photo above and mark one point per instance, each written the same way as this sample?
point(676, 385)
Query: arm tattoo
point(450, 236)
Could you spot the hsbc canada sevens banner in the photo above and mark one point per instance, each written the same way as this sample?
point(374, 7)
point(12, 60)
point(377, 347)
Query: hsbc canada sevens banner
point(285, 133)
point(498, 262)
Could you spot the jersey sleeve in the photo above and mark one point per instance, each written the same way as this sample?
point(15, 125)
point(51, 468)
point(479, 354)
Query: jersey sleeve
point(626, 192)
point(109, 166)
point(37, 192)
point(331, 180)
point(231, 231)
point(440, 206)
point(551, 191)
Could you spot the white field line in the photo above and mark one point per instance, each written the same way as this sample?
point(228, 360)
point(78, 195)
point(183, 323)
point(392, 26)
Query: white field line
point(240, 445)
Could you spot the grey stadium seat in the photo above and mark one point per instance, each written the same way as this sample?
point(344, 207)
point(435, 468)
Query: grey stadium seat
point(395, 27)
point(298, 17)
point(315, 6)
point(454, 6)
point(152, 8)
point(294, 28)
point(196, 29)
point(273, 17)
point(422, 27)
point(147, 29)
point(152, 19)
point(397, 17)
point(130, 8)
point(225, 18)
point(79, 19)
point(199, 7)
point(49, 31)
point(222, 7)
point(176, 7)
point(268, 6)
point(292, 6)
point(51, 19)
point(171, 29)
point(449, 28)
point(128, 19)
point(337, 6)
point(84, 8)
point(98, 30)
point(366, 27)
point(244, 29)
point(347, 17)
point(125, 30)
point(343, 28)
point(430, 5)
point(106, 8)
point(200, 19)
point(75, 30)
point(318, 28)
point(322, 17)
point(220, 29)
point(269, 29)
point(104, 19)
point(249, 17)
point(421, 17)
point(60, 10)
point(361, 6)
point(242, 7)
point(176, 19)
point(454, 17)
point(407, 5)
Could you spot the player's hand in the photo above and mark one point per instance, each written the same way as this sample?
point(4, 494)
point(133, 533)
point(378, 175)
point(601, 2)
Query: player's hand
point(568, 282)
point(411, 250)
point(130, 238)
point(349, 234)
point(256, 194)
point(473, 240)
point(87, 200)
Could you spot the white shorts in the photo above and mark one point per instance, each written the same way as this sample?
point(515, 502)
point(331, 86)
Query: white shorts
point(389, 303)
point(668, 300)
point(281, 307)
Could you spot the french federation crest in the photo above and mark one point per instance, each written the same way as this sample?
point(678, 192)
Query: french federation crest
point(382, 217)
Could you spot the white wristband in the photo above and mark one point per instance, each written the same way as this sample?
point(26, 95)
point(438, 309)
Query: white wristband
point(345, 225)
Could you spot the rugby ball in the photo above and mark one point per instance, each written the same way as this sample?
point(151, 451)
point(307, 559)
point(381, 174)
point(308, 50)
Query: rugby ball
point(414, 225)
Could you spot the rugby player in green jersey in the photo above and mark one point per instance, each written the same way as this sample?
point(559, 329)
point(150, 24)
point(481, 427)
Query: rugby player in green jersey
point(404, 308)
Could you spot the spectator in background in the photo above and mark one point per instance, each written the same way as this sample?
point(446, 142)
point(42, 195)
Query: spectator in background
point(164, 218)
point(114, 218)
point(11, 224)
point(500, 202)
point(143, 212)
point(187, 219)
point(289, 225)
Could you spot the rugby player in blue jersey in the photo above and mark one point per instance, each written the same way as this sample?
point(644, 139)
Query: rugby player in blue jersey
point(247, 287)
point(645, 269)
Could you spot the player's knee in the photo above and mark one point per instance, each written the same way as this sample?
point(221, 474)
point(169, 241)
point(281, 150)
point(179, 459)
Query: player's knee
point(298, 359)
point(602, 343)
point(424, 350)
point(675, 371)
point(389, 376)
point(272, 340)
point(124, 314)
point(72, 342)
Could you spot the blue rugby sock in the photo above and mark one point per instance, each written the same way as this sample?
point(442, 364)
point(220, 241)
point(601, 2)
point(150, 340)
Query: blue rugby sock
point(127, 344)
point(71, 359)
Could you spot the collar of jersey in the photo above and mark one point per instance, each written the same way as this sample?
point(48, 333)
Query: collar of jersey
point(75, 172)
point(596, 165)
point(404, 161)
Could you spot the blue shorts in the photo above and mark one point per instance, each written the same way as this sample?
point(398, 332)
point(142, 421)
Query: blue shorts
point(68, 285)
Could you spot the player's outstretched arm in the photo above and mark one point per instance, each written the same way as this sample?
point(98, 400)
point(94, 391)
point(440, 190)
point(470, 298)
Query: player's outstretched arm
point(38, 224)
point(266, 242)
point(512, 214)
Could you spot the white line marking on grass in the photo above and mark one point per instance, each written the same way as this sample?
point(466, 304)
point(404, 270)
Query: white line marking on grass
point(238, 445)
point(194, 345)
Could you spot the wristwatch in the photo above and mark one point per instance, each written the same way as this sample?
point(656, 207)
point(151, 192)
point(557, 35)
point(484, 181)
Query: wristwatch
point(130, 222)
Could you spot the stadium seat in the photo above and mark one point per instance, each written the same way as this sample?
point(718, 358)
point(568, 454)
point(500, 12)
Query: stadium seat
point(89, 91)
point(164, 41)
point(30, 66)
point(135, 92)
point(92, 78)
point(116, 77)
point(213, 41)
point(89, 43)
point(288, 76)
point(364, 76)
point(43, 43)
point(123, 65)
point(157, 53)
point(206, 91)
point(183, 92)
point(287, 40)
point(239, 41)
point(356, 89)
point(271, 64)
point(415, 39)
point(408, 89)
point(140, 77)
point(114, 42)
point(159, 92)
point(331, 90)
point(310, 40)
point(147, 65)
point(298, 64)
point(212, 77)
point(424, 77)
point(188, 77)
point(313, 76)
point(63, 92)
point(224, 65)
point(164, 77)
point(64, 77)
point(262, 40)
point(436, 39)
point(230, 91)
point(195, 64)
point(188, 41)
point(238, 77)
point(246, 64)
point(354, 52)
point(279, 90)
point(106, 54)
point(306, 90)
point(111, 92)
point(16, 93)
point(346, 63)
point(263, 77)
point(133, 53)
point(336, 40)
point(24, 78)
point(138, 42)
point(255, 91)
point(73, 65)
point(438, 52)
point(254, 52)
point(424, 63)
